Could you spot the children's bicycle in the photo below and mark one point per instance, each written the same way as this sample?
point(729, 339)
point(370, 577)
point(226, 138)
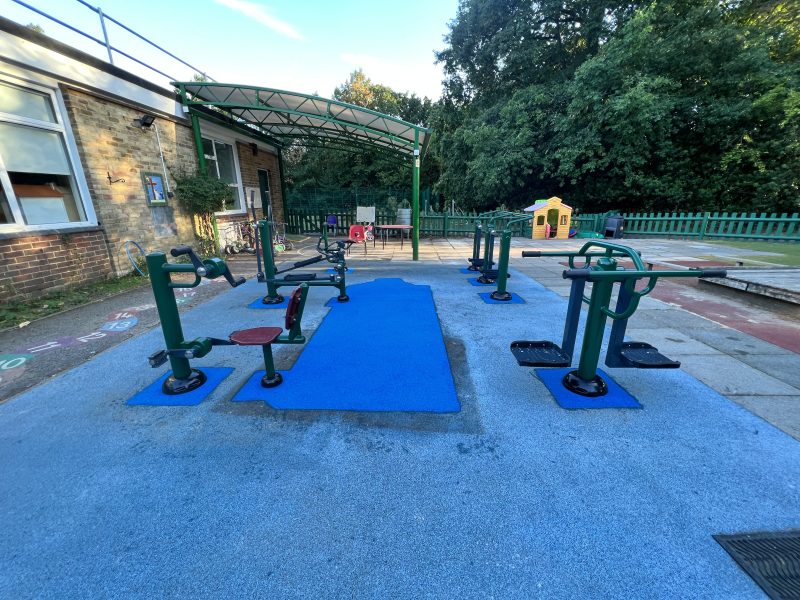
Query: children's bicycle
point(280, 243)
point(238, 237)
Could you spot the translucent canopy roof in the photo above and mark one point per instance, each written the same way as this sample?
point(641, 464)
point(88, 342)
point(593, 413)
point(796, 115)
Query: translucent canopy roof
point(292, 118)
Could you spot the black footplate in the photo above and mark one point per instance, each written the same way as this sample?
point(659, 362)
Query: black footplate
point(156, 359)
point(540, 354)
point(644, 356)
point(300, 277)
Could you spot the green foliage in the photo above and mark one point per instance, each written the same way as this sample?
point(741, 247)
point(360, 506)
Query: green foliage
point(670, 105)
point(200, 194)
point(320, 167)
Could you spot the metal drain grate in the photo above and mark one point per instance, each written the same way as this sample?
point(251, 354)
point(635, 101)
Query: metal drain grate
point(772, 559)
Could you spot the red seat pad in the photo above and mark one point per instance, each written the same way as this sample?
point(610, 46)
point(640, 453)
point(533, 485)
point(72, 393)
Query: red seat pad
point(257, 336)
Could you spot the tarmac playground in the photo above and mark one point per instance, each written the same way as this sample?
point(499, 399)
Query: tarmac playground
point(408, 456)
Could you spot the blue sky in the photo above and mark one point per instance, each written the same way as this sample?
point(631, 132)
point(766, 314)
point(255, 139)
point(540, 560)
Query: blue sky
point(301, 45)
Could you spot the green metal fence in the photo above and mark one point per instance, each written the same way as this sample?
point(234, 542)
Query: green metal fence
point(431, 224)
point(743, 226)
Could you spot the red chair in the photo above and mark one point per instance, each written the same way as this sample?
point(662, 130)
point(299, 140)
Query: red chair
point(358, 235)
point(267, 336)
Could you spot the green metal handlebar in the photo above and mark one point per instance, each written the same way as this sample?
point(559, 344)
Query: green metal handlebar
point(629, 279)
point(613, 249)
point(571, 256)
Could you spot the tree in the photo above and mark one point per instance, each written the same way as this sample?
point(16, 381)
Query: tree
point(362, 167)
point(682, 111)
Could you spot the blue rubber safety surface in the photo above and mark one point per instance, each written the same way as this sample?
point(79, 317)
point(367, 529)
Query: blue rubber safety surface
point(474, 281)
point(466, 271)
point(487, 297)
point(153, 396)
point(407, 370)
point(616, 397)
point(257, 303)
point(512, 497)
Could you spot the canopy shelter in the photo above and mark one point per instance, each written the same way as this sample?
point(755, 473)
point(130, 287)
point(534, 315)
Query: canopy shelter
point(284, 118)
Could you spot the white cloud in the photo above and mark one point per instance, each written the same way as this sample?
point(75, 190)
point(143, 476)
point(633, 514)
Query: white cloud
point(258, 13)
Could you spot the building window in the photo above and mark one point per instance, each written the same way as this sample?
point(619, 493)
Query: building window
point(38, 187)
point(220, 163)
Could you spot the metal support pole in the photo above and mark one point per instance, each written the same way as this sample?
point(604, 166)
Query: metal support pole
point(265, 231)
point(167, 312)
point(585, 381)
point(502, 270)
point(476, 246)
point(283, 188)
point(415, 197)
point(198, 144)
point(105, 35)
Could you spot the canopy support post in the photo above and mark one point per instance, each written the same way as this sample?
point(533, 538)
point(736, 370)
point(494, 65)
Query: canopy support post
point(415, 197)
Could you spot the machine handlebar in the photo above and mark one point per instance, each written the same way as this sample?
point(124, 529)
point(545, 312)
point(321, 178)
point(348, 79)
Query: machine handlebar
point(197, 263)
point(713, 273)
point(211, 267)
point(531, 253)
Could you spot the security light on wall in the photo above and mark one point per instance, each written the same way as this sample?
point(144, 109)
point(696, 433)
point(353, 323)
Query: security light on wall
point(145, 121)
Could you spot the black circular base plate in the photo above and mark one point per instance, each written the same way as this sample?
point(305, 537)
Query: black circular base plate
point(173, 386)
point(343, 298)
point(273, 382)
point(504, 296)
point(485, 280)
point(472, 268)
point(585, 387)
point(272, 299)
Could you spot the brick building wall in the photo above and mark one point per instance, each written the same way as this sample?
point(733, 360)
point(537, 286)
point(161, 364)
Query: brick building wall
point(110, 143)
point(249, 165)
point(34, 263)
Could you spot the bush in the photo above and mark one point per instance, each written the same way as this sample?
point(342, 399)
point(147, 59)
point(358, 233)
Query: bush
point(200, 194)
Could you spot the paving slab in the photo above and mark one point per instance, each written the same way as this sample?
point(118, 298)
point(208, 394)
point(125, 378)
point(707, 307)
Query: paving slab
point(670, 342)
point(782, 284)
point(785, 367)
point(731, 377)
point(781, 411)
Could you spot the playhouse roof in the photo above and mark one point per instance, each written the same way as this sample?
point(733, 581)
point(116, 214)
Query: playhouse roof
point(542, 204)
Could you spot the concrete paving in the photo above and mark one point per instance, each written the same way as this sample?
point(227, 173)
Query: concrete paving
point(512, 497)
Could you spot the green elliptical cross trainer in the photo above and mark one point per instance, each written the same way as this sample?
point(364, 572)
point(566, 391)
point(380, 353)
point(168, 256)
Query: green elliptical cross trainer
point(620, 354)
point(332, 252)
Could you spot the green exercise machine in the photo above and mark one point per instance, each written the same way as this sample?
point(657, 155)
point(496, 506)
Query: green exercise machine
point(179, 351)
point(332, 252)
point(603, 275)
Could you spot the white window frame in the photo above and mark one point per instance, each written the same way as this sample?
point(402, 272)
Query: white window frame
point(61, 126)
point(215, 135)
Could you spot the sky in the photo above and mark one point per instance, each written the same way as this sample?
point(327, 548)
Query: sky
point(307, 46)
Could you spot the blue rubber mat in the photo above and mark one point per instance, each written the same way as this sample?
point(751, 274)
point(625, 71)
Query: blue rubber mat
point(466, 271)
point(382, 351)
point(474, 281)
point(487, 297)
point(153, 396)
point(616, 397)
point(257, 303)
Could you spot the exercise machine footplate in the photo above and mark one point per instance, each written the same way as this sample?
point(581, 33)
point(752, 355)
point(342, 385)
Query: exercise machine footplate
point(540, 354)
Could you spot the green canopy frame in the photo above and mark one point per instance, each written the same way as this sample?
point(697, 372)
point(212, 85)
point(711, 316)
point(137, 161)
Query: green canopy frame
point(282, 118)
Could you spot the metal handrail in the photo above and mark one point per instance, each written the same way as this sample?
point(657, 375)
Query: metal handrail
point(105, 43)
